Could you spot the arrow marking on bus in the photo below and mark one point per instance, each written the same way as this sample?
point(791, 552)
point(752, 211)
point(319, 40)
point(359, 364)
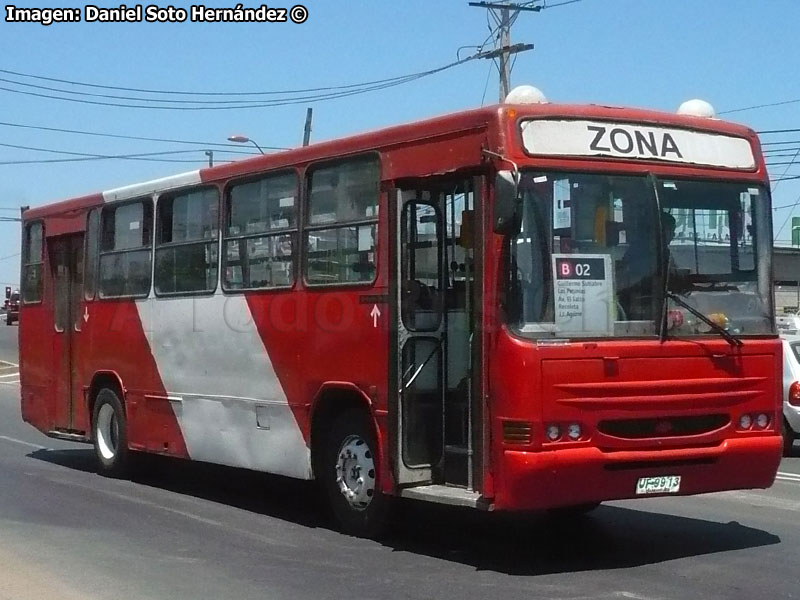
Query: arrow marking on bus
point(375, 313)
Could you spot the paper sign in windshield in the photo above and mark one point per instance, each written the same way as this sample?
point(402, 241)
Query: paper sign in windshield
point(583, 293)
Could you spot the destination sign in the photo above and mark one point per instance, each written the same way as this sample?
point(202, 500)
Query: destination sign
point(584, 293)
point(634, 141)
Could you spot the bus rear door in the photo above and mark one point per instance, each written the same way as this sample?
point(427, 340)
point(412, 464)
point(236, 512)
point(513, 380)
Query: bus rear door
point(66, 273)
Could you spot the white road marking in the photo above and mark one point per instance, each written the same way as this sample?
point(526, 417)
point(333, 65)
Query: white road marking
point(793, 477)
point(21, 442)
point(10, 375)
point(143, 502)
point(7, 363)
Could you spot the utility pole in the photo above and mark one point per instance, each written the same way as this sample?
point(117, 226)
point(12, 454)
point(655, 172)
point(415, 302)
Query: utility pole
point(505, 41)
point(210, 155)
point(505, 13)
point(307, 128)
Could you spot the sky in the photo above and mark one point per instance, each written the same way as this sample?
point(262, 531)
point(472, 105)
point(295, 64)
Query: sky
point(642, 53)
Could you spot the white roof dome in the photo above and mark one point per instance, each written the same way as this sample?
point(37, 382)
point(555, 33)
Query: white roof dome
point(697, 108)
point(525, 94)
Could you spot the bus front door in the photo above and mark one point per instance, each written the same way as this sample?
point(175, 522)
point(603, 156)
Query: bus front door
point(66, 260)
point(434, 418)
point(420, 337)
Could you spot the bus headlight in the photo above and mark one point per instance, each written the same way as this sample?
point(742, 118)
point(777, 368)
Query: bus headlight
point(574, 431)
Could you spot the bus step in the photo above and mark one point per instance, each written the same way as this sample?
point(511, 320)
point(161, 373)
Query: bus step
point(462, 450)
point(70, 435)
point(445, 494)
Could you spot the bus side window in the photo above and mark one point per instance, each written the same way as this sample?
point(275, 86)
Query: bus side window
point(33, 261)
point(125, 244)
point(260, 233)
point(92, 246)
point(186, 242)
point(342, 223)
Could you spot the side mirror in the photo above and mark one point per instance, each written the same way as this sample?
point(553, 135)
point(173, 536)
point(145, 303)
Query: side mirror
point(506, 203)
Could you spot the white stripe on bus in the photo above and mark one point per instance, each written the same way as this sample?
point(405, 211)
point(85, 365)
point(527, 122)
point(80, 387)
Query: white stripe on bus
point(147, 188)
point(210, 354)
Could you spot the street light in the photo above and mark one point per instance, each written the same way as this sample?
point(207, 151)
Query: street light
point(243, 139)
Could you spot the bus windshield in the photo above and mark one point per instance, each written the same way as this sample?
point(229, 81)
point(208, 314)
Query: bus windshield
point(596, 252)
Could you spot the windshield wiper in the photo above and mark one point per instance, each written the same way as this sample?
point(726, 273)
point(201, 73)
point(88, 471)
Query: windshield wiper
point(732, 340)
point(663, 269)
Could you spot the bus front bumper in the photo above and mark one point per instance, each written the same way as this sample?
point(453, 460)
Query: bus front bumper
point(570, 477)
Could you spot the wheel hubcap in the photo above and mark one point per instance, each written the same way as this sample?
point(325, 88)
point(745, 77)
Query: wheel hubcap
point(355, 472)
point(107, 432)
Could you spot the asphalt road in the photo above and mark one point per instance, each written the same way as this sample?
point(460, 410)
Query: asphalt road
point(186, 530)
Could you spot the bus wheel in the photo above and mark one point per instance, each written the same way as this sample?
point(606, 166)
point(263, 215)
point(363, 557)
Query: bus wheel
point(110, 434)
point(348, 473)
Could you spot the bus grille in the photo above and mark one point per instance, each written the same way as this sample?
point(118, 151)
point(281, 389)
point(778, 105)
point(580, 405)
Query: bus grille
point(662, 427)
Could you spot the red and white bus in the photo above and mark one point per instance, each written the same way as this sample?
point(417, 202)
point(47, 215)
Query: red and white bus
point(521, 307)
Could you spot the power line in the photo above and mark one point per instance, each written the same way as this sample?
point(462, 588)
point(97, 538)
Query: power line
point(769, 131)
point(779, 152)
point(784, 205)
point(230, 103)
point(82, 157)
point(735, 110)
point(268, 104)
point(791, 162)
point(193, 93)
point(783, 143)
point(36, 149)
point(132, 137)
point(117, 97)
point(783, 175)
point(546, 5)
point(110, 157)
point(341, 92)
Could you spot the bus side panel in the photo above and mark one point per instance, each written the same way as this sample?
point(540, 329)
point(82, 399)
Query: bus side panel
point(35, 365)
point(116, 335)
point(228, 384)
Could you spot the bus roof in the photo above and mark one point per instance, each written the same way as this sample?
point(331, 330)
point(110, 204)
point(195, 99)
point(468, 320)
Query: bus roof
point(475, 119)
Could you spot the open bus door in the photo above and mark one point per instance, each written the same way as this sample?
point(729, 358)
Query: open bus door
point(66, 277)
point(436, 418)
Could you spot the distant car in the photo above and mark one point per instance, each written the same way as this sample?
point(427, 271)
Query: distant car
point(788, 324)
point(12, 309)
point(791, 392)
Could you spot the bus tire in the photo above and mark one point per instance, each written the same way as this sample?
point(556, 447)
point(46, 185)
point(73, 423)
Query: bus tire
point(347, 470)
point(110, 434)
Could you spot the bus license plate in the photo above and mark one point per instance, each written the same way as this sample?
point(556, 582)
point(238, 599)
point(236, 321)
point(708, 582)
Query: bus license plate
point(669, 484)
